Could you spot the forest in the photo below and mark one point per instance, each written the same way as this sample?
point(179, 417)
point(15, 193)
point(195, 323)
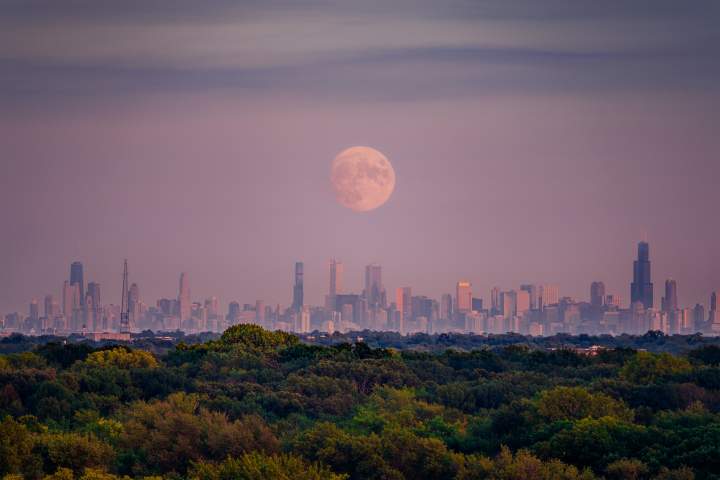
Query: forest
point(254, 404)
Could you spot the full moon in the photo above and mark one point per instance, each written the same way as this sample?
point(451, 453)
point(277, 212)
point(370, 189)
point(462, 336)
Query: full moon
point(362, 178)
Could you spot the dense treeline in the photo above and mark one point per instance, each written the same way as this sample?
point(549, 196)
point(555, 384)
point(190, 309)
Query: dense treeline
point(255, 404)
point(162, 342)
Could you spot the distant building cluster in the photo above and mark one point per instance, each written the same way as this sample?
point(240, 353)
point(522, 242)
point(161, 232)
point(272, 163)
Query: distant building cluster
point(530, 309)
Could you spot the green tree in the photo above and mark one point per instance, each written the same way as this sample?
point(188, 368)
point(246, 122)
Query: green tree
point(258, 466)
point(646, 367)
point(256, 337)
point(627, 469)
point(575, 403)
point(168, 435)
point(122, 358)
point(77, 451)
point(16, 449)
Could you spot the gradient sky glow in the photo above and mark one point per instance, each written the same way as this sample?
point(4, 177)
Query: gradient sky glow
point(532, 142)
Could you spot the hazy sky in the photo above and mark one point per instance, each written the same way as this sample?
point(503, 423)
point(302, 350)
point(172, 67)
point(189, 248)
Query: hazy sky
point(533, 141)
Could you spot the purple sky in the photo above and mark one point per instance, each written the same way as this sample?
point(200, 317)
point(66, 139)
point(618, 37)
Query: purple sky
point(532, 142)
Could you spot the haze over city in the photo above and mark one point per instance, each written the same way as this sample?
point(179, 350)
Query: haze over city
point(531, 144)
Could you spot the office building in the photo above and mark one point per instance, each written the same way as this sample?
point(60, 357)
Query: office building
point(374, 292)
point(641, 288)
point(77, 278)
point(597, 294)
point(548, 295)
point(670, 301)
point(184, 303)
point(463, 296)
point(298, 288)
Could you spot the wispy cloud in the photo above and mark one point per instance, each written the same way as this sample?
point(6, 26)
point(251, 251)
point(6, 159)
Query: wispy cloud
point(344, 49)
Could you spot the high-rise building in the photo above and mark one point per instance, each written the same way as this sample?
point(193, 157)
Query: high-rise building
point(34, 310)
point(93, 307)
point(698, 317)
point(70, 300)
point(446, 306)
point(76, 278)
point(533, 293)
point(477, 304)
point(713, 301)
point(549, 295)
point(213, 305)
point(522, 302)
point(670, 301)
point(93, 291)
point(495, 301)
point(303, 320)
point(184, 303)
point(463, 296)
point(50, 305)
point(133, 305)
point(336, 277)
point(403, 299)
point(597, 294)
point(374, 292)
point(508, 303)
point(233, 315)
point(641, 289)
point(298, 292)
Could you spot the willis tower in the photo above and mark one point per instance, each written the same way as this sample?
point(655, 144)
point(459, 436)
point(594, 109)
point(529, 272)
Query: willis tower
point(641, 289)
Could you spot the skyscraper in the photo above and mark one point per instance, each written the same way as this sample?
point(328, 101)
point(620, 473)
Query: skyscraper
point(446, 306)
point(335, 286)
point(93, 291)
point(336, 278)
point(533, 292)
point(522, 302)
point(298, 293)
point(699, 317)
point(94, 313)
point(34, 310)
point(50, 305)
point(185, 306)
point(597, 294)
point(508, 303)
point(70, 300)
point(463, 296)
point(495, 301)
point(403, 298)
point(669, 301)
point(713, 301)
point(549, 295)
point(133, 305)
point(76, 278)
point(233, 314)
point(124, 301)
point(641, 289)
point(374, 292)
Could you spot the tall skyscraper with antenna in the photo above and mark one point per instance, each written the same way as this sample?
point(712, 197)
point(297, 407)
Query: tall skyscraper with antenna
point(641, 289)
point(298, 293)
point(124, 305)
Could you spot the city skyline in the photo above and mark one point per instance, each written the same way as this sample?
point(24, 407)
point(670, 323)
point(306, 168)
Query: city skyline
point(534, 309)
point(77, 276)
